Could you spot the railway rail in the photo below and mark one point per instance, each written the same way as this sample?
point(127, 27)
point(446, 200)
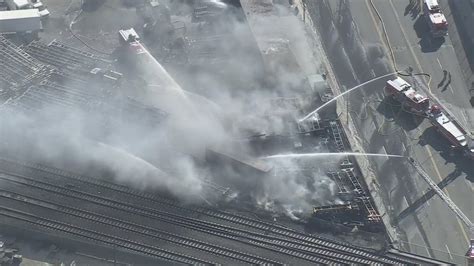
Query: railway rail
point(194, 224)
point(140, 229)
point(326, 248)
point(298, 249)
point(102, 238)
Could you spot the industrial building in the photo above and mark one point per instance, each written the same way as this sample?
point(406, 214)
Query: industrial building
point(160, 151)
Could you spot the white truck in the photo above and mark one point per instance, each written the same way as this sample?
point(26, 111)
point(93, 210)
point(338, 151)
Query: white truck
point(20, 21)
point(451, 130)
point(435, 18)
point(26, 4)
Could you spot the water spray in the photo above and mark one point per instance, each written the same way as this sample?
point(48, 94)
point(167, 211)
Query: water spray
point(336, 154)
point(342, 94)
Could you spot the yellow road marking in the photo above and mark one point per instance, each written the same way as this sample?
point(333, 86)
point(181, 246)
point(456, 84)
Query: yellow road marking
point(408, 43)
point(381, 36)
point(426, 148)
point(379, 32)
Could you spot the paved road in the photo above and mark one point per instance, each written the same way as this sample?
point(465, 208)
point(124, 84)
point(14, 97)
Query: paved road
point(425, 222)
point(412, 46)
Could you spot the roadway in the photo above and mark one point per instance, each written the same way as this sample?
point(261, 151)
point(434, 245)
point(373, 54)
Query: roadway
point(424, 223)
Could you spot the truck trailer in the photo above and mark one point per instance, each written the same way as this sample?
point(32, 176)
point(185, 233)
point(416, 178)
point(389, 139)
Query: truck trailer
point(22, 20)
point(451, 130)
point(435, 18)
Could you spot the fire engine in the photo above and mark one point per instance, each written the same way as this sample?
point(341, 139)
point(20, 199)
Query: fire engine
point(435, 18)
point(451, 130)
point(146, 65)
point(401, 91)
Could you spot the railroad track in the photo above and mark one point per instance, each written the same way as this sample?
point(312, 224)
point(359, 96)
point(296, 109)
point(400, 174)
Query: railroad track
point(303, 249)
point(230, 217)
point(91, 235)
point(140, 229)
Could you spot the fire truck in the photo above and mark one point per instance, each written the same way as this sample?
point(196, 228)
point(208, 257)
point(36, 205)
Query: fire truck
point(146, 65)
point(401, 91)
point(435, 18)
point(451, 130)
point(470, 251)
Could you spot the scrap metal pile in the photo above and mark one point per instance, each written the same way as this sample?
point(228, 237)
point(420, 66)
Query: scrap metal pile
point(62, 77)
point(160, 228)
point(359, 209)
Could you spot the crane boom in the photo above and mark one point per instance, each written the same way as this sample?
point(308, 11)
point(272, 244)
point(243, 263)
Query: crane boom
point(441, 194)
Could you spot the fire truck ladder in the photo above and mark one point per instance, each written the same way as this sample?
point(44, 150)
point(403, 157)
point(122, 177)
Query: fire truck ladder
point(441, 194)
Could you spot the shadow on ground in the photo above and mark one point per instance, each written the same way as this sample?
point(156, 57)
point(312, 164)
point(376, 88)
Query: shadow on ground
point(413, 9)
point(463, 29)
point(437, 142)
point(428, 195)
point(427, 43)
point(393, 111)
point(91, 6)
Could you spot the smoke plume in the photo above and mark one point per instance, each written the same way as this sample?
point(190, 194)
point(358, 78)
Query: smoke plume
point(209, 105)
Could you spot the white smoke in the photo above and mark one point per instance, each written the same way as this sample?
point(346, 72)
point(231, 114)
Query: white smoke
point(233, 99)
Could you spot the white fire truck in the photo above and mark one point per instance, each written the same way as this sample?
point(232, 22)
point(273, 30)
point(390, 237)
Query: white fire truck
point(401, 91)
point(451, 130)
point(435, 18)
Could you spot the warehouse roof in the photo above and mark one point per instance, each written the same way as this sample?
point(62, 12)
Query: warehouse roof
point(18, 14)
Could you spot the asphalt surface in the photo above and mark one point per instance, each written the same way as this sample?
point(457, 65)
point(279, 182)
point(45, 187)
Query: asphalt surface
point(424, 223)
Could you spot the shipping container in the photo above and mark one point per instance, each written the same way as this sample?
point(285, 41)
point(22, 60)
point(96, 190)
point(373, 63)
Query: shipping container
point(28, 20)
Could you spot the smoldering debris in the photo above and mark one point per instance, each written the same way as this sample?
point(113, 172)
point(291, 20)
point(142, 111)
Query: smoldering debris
point(219, 104)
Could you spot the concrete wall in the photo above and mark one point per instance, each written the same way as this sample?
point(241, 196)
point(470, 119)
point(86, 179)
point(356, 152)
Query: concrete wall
point(327, 19)
point(460, 16)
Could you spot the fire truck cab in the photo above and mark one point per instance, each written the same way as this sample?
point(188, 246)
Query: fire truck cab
point(435, 18)
point(401, 91)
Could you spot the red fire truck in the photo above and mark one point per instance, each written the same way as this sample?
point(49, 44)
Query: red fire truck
point(451, 130)
point(435, 18)
point(401, 91)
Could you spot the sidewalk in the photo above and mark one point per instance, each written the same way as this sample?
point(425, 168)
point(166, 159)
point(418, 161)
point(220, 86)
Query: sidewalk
point(460, 16)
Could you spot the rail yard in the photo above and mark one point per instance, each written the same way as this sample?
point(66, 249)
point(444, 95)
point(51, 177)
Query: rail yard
point(199, 132)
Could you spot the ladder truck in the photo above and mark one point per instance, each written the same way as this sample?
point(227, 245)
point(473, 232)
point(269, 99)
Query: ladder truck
point(435, 18)
point(451, 130)
point(444, 123)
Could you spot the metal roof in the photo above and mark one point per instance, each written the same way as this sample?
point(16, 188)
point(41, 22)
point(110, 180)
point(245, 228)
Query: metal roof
point(19, 14)
point(451, 128)
point(21, 3)
point(437, 18)
point(399, 84)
